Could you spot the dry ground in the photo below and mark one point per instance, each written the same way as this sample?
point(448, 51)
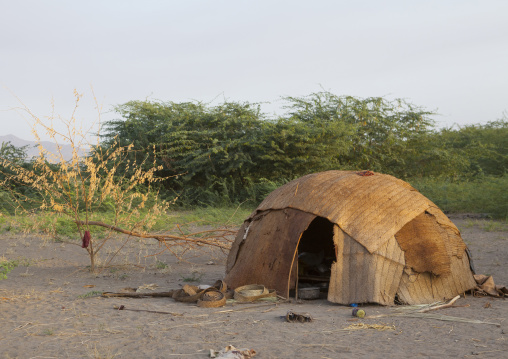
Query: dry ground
point(47, 310)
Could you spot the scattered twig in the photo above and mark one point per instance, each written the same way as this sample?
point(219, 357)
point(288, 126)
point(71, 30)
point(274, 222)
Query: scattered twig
point(291, 267)
point(269, 309)
point(21, 326)
point(245, 308)
point(209, 241)
point(447, 318)
point(380, 327)
point(122, 307)
point(420, 311)
point(138, 295)
point(447, 305)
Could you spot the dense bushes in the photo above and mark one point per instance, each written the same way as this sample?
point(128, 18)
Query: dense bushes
point(11, 156)
point(232, 152)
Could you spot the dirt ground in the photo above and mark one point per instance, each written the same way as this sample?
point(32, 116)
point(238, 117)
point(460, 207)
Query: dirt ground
point(49, 308)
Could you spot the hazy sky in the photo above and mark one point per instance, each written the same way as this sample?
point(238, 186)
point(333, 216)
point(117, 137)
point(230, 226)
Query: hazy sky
point(449, 56)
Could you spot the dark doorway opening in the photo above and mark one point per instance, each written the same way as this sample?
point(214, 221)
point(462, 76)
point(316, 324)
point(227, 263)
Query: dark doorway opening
point(316, 253)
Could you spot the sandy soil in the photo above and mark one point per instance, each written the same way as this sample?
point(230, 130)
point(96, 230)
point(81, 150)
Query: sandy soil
point(48, 310)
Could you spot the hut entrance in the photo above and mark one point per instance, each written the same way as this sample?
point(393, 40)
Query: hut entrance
point(316, 253)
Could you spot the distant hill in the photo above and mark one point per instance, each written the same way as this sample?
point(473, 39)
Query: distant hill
point(32, 150)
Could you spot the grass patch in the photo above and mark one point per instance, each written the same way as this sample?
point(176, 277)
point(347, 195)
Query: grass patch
point(93, 293)
point(487, 225)
point(6, 266)
point(7, 224)
point(193, 277)
point(494, 226)
point(484, 195)
point(47, 332)
point(57, 225)
point(161, 265)
point(219, 216)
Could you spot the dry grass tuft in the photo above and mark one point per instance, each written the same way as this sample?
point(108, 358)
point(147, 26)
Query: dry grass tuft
point(361, 326)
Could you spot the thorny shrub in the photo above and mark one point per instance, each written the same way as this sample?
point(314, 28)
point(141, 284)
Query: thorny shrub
point(80, 188)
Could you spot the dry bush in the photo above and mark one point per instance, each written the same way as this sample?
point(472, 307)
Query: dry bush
point(94, 183)
point(82, 188)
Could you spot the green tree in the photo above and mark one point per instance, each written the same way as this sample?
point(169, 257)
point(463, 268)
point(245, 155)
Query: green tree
point(461, 152)
point(371, 133)
point(12, 153)
point(233, 151)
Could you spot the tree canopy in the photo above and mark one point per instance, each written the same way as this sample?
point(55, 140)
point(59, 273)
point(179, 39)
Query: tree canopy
point(232, 151)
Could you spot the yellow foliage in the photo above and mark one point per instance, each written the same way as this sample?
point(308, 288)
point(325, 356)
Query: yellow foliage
point(77, 188)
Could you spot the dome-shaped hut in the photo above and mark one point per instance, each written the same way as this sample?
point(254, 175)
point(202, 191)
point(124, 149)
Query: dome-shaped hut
point(379, 239)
